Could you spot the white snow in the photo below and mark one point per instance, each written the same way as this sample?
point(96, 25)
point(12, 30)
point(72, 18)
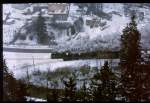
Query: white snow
point(114, 26)
point(109, 7)
point(17, 59)
point(7, 8)
point(35, 99)
point(73, 9)
point(33, 46)
point(10, 30)
point(19, 63)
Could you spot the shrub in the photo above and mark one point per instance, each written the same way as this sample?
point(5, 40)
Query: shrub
point(22, 37)
point(31, 37)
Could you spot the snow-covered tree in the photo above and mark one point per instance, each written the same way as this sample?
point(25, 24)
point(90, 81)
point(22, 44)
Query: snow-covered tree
point(41, 30)
point(78, 25)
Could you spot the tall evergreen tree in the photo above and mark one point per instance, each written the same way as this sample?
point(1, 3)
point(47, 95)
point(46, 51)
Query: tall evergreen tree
point(130, 44)
point(130, 58)
point(41, 30)
point(104, 83)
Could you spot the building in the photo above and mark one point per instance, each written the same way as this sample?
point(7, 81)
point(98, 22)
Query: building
point(59, 11)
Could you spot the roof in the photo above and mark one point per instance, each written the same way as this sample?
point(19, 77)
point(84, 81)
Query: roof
point(20, 6)
point(58, 8)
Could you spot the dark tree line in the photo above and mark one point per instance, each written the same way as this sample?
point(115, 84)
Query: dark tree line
point(103, 88)
point(13, 90)
point(87, 55)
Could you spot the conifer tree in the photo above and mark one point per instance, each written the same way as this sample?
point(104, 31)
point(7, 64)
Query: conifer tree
point(41, 30)
point(13, 90)
point(70, 87)
point(104, 83)
point(130, 58)
point(8, 95)
point(130, 44)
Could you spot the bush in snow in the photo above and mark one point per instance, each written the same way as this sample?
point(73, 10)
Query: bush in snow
point(22, 37)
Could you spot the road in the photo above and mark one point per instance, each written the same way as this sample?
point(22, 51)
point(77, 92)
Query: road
point(27, 50)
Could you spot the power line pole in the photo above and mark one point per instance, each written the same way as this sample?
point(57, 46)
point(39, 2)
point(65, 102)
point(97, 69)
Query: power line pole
point(28, 83)
point(33, 63)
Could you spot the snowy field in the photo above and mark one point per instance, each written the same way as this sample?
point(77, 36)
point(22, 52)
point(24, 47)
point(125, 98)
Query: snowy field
point(17, 60)
point(19, 63)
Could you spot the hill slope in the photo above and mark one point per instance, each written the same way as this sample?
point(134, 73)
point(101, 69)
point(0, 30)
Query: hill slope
point(100, 30)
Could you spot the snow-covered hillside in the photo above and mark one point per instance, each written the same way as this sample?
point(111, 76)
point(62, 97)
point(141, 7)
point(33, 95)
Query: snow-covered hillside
point(110, 23)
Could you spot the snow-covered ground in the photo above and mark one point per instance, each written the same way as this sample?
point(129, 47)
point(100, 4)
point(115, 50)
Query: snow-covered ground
point(19, 63)
point(19, 59)
point(19, 20)
point(35, 99)
point(27, 46)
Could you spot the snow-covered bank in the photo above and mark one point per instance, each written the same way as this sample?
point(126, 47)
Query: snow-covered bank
point(21, 71)
point(17, 60)
point(35, 99)
point(27, 46)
